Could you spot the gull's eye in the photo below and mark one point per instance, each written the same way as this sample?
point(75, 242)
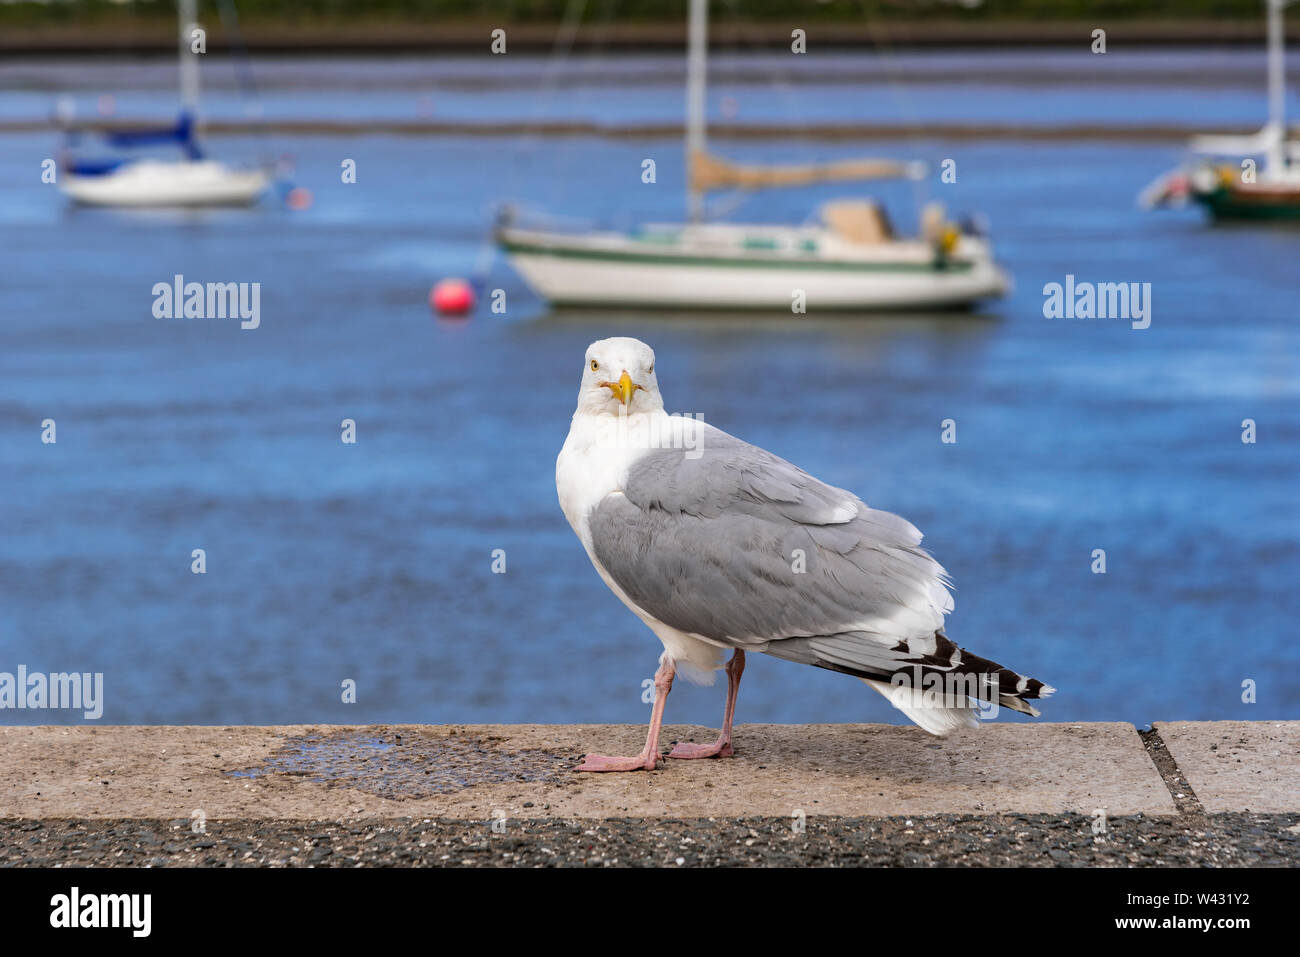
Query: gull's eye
point(594, 365)
point(651, 370)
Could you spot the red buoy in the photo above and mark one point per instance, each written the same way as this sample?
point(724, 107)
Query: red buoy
point(452, 297)
point(299, 198)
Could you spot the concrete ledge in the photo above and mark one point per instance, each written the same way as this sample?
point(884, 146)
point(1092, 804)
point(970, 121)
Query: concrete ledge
point(1238, 765)
point(471, 772)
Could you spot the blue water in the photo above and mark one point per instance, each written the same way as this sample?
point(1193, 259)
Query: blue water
point(373, 562)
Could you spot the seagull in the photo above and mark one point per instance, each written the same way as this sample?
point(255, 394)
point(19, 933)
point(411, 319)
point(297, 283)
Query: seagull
point(720, 546)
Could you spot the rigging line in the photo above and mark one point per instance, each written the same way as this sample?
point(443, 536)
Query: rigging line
point(528, 138)
point(619, 216)
point(893, 73)
point(561, 47)
point(243, 68)
point(897, 89)
point(779, 82)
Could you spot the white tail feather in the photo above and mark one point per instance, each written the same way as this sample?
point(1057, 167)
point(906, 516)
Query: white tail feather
point(939, 721)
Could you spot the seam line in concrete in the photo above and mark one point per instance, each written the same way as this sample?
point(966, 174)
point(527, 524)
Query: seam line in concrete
point(1180, 789)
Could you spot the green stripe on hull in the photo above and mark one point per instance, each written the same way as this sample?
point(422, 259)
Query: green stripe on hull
point(743, 313)
point(606, 255)
point(1227, 204)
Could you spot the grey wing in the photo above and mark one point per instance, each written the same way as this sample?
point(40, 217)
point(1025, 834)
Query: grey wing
point(745, 548)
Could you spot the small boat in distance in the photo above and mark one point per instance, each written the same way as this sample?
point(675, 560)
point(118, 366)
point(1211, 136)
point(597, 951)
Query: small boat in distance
point(851, 259)
point(193, 180)
point(1243, 189)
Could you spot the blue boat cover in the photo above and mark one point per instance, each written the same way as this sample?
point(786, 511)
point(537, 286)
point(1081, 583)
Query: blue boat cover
point(91, 167)
point(181, 133)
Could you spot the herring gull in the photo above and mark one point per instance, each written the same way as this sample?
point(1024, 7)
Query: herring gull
point(718, 545)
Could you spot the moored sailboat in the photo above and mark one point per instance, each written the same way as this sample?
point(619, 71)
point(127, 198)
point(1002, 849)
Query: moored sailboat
point(1249, 189)
point(850, 259)
point(192, 180)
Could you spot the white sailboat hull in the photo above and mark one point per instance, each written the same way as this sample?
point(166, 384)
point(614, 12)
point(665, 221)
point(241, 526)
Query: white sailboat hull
point(155, 183)
point(578, 271)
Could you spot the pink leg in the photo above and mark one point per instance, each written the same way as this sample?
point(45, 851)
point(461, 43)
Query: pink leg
point(722, 747)
point(649, 756)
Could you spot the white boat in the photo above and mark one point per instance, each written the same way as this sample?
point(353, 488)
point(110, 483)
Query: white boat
point(149, 182)
point(193, 180)
point(850, 259)
point(1242, 188)
point(722, 266)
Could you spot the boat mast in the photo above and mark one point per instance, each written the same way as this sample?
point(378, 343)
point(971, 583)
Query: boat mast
point(1276, 86)
point(697, 65)
point(189, 61)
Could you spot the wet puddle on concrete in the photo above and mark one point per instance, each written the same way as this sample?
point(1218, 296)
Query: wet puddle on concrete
point(406, 766)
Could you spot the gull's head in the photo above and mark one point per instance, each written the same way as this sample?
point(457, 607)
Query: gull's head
point(618, 377)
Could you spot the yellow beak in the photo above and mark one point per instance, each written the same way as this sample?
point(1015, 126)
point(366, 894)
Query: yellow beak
point(623, 388)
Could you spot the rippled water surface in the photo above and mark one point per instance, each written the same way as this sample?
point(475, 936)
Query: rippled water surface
point(372, 562)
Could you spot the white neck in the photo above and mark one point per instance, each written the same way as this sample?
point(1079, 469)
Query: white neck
point(596, 457)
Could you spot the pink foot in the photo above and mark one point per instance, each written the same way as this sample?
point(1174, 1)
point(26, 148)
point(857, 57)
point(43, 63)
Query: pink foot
point(604, 762)
point(687, 751)
point(722, 747)
point(649, 756)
